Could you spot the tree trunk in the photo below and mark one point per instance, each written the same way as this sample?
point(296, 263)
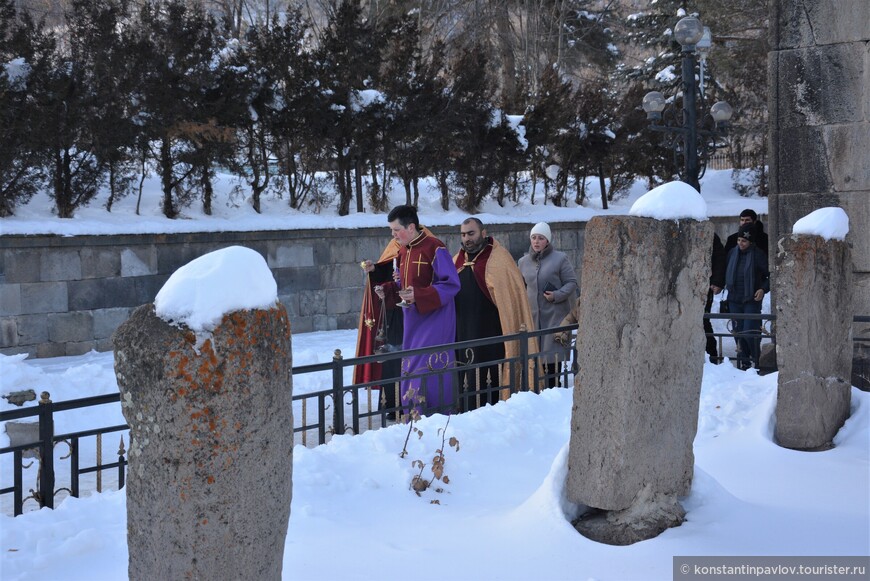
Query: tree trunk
point(406, 181)
point(601, 185)
point(208, 190)
point(357, 174)
point(166, 178)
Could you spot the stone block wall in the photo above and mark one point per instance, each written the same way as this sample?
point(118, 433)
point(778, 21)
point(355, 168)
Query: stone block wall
point(67, 295)
point(819, 77)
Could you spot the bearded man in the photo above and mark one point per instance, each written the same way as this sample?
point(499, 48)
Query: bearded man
point(491, 302)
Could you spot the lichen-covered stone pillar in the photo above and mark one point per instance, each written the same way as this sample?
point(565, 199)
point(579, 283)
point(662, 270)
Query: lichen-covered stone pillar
point(641, 354)
point(209, 486)
point(819, 107)
point(813, 286)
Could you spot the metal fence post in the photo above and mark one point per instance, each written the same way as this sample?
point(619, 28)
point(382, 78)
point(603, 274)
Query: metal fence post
point(337, 393)
point(46, 451)
point(524, 358)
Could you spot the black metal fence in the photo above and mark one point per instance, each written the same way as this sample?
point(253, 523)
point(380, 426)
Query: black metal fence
point(318, 415)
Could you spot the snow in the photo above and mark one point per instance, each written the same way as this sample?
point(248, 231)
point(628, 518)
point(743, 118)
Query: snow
point(202, 291)
point(671, 201)
point(17, 70)
point(829, 223)
point(233, 213)
point(504, 514)
point(666, 75)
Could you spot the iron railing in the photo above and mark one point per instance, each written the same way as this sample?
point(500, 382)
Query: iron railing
point(339, 409)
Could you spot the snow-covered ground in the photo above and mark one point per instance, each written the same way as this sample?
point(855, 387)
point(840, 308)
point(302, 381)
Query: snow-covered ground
point(232, 212)
point(503, 514)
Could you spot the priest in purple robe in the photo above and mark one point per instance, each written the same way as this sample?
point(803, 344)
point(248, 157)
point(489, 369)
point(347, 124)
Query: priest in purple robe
point(425, 282)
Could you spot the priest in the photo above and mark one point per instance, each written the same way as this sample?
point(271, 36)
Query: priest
point(424, 285)
point(491, 302)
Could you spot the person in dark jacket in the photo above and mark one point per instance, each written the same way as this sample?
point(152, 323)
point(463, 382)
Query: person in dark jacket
point(747, 278)
point(717, 283)
point(748, 218)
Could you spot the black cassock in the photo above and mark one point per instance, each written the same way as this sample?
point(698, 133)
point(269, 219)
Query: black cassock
point(476, 318)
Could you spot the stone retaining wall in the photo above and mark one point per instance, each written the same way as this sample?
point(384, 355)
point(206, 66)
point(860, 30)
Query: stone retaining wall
point(67, 295)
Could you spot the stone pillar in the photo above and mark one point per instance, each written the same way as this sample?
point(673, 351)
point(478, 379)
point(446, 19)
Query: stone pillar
point(211, 429)
point(641, 353)
point(813, 340)
point(819, 78)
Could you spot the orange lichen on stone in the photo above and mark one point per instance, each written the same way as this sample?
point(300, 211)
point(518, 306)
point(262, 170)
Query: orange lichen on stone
point(210, 480)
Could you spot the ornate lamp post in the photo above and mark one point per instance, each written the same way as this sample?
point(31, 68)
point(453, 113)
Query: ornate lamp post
point(693, 142)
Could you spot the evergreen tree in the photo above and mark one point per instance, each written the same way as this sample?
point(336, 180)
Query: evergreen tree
point(25, 51)
point(348, 60)
point(176, 47)
point(550, 115)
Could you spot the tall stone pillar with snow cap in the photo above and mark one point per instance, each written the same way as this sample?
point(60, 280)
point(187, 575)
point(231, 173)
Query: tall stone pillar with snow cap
point(813, 285)
point(204, 376)
point(641, 355)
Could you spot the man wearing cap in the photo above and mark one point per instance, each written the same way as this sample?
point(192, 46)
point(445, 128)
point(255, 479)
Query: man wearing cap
point(491, 302)
point(551, 285)
point(747, 278)
point(749, 218)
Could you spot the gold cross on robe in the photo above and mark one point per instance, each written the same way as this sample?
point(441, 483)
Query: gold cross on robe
point(419, 262)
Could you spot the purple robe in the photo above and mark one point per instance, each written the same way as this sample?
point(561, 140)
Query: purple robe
point(426, 265)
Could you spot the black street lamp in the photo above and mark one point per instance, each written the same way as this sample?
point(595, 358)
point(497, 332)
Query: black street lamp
point(694, 38)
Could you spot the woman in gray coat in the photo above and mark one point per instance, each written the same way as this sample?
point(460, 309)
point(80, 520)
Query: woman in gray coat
point(551, 286)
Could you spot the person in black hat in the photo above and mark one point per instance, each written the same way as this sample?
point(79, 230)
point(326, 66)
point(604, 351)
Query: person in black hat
point(749, 218)
point(747, 278)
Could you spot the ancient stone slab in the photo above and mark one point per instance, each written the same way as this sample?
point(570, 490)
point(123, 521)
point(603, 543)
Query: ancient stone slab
point(857, 207)
point(22, 265)
point(344, 250)
point(44, 297)
point(848, 145)
point(103, 293)
point(100, 262)
point(341, 301)
point(32, 329)
point(800, 161)
point(75, 348)
point(641, 354)
point(818, 85)
point(340, 275)
point(51, 350)
point(138, 261)
point(298, 279)
point(325, 323)
point(107, 320)
point(73, 326)
point(290, 255)
point(147, 287)
point(10, 299)
point(799, 23)
point(8, 332)
point(209, 485)
point(60, 265)
point(814, 348)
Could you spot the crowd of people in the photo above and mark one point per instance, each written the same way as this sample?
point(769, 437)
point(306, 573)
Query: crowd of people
point(418, 295)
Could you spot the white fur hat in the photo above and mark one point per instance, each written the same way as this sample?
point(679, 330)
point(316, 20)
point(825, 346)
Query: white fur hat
point(543, 229)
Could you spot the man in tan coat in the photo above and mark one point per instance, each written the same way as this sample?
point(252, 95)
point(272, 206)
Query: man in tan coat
point(491, 302)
